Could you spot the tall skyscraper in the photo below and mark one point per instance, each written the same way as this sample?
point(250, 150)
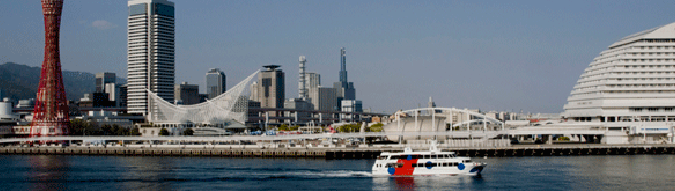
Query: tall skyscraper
point(50, 113)
point(343, 65)
point(102, 79)
point(215, 82)
point(150, 52)
point(271, 87)
point(344, 90)
point(302, 89)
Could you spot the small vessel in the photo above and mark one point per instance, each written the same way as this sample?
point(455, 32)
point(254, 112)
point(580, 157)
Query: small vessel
point(433, 162)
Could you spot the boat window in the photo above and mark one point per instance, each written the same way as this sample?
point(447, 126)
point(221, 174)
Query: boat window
point(396, 157)
point(447, 156)
point(427, 156)
point(467, 161)
point(445, 164)
point(414, 165)
point(416, 157)
point(434, 157)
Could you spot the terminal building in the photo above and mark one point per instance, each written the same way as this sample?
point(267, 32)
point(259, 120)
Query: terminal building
point(629, 89)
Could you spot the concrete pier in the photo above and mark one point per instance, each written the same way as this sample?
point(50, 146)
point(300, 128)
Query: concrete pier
point(343, 153)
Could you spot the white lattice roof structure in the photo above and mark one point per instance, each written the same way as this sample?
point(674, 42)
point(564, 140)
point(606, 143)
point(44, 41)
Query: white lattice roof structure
point(231, 105)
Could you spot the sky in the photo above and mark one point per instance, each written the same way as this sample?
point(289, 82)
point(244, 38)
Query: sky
point(488, 55)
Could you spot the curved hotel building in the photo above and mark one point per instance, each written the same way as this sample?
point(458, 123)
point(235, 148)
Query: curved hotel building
point(629, 88)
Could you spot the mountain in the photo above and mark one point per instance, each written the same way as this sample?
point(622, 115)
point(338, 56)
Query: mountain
point(20, 82)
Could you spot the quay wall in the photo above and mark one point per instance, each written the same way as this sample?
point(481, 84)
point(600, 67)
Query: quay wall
point(339, 153)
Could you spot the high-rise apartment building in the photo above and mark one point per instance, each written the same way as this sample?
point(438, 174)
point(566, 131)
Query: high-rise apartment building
point(150, 52)
point(102, 79)
point(215, 82)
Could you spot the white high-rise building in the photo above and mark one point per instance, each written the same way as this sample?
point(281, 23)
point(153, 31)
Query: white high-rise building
point(302, 89)
point(312, 80)
point(629, 88)
point(150, 52)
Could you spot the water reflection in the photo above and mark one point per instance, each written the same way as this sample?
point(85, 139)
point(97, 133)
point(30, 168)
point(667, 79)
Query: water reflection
point(146, 173)
point(408, 183)
point(47, 172)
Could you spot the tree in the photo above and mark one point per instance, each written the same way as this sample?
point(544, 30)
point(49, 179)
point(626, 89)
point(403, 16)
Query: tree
point(119, 130)
point(349, 128)
point(294, 128)
point(188, 131)
point(135, 131)
point(163, 131)
point(106, 130)
point(79, 127)
point(377, 127)
point(283, 127)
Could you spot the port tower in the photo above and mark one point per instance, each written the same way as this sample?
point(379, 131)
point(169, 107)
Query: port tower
point(50, 114)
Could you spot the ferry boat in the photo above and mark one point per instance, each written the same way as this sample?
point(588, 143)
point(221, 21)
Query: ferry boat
point(434, 162)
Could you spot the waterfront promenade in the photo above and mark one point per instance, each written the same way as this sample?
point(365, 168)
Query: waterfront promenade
point(344, 152)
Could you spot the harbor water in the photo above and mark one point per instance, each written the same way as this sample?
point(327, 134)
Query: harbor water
point(65, 172)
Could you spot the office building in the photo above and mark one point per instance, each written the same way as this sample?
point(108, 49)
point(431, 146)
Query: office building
point(102, 79)
point(150, 52)
point(344, 90)
point(187, 94)
point(215, 83)
point(312, 80)
point(629, 89)
point(350, 106)
point(271, 87)
point(113, 91)
point(323, 99)
point(123, 95)
point(301, 116)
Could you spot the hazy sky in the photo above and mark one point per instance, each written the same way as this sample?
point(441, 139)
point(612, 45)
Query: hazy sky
point(489, 55)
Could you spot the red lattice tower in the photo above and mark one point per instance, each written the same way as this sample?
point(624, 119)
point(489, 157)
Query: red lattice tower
point(50, 115)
